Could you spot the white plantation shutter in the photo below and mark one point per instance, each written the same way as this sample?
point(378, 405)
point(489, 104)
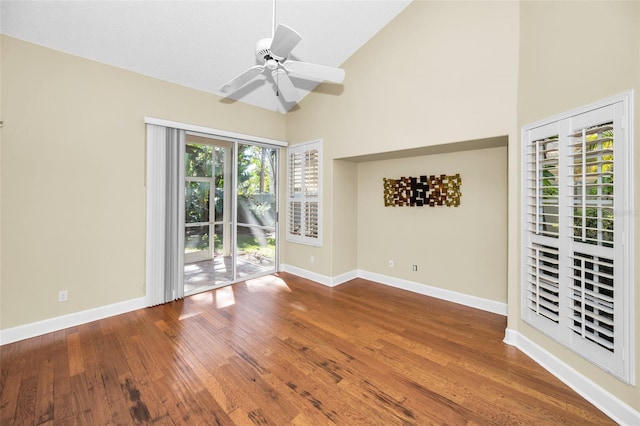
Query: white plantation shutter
point(592, 304)
point(295, 218)
point(295, 173)
point(294, 191)
point(591, 290)
point(304, 193)
point(311, 172)
point(541, 269)
point(311, 217)
point(542, 282)
point(592, 154)
point(577, 265)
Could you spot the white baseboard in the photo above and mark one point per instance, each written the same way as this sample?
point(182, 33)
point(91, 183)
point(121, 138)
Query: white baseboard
point(452, 296)
point(618, 410)
point(313, 276)
point(319, 278)
point(38, 328)
point(439, 293)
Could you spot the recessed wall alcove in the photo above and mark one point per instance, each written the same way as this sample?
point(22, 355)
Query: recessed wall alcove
point(462, 249)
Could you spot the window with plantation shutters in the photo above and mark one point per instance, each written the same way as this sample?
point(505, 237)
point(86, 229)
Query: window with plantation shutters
point(577, 255)
point(304, 194)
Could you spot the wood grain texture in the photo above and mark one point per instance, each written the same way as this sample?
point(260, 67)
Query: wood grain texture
point(281, 350)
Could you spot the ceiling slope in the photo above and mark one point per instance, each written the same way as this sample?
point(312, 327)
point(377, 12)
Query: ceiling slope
point(199, 44)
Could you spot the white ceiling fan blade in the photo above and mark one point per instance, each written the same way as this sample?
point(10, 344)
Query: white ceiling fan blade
point(242, 79)
point(315, 72)
point(285, 86)
point(284, 40)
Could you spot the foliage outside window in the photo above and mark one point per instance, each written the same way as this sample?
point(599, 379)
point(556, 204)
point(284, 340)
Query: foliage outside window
point(256, 198)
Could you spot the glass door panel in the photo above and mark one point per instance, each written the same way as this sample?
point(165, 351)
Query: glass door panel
point(196, 243)
point(256, 206)
point(207, 224)
point(197, 196)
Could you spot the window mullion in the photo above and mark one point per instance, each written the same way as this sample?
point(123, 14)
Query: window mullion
point(583, 192)
point(565, 213)
point(537, 187)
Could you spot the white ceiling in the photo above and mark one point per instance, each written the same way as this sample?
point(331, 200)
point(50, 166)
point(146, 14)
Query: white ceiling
point(199, 44)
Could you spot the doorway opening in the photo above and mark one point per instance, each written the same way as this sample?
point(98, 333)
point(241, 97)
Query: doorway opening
point(230, 211)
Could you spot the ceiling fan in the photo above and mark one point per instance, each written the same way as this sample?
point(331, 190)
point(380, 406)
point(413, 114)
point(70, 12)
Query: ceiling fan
point(273, 53)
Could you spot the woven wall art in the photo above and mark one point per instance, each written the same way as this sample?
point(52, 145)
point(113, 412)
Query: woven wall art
point(424, 190)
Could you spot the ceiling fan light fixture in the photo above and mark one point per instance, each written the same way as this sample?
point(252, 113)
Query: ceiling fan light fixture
point(271, 64)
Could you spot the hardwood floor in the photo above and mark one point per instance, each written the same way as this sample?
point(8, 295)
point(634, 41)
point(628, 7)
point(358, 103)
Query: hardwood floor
point(281, 350)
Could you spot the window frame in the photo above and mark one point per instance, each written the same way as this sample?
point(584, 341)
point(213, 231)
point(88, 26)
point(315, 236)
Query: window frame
point(302, 198)
point(618, 361)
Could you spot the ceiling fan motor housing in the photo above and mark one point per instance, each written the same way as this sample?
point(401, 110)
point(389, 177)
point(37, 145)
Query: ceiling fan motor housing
point(262, 48)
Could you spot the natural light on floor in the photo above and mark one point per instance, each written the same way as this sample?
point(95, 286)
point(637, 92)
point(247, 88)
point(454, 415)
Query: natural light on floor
point(268, 282)
point(224, 297)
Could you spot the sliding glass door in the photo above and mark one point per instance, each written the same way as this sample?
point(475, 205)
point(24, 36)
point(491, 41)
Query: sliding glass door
point(256, 207)
point(230, 220)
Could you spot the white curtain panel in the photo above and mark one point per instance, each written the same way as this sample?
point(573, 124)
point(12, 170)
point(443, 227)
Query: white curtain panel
point(165, 214)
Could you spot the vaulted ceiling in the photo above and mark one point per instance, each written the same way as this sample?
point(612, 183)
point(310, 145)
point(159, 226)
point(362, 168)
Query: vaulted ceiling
point(199, 44)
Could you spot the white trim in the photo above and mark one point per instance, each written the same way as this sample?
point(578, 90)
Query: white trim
point(613, 407)
point(50, 325)
point(439, 293)
point(313, 276)
point(343, 278)
point(211, 131)
point(630, 153)
point(426, 290)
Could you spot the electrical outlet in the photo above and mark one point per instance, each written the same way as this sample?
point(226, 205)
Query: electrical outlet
point(391, 264)
point(312, 259)
point(63, 296)
point(415, 268)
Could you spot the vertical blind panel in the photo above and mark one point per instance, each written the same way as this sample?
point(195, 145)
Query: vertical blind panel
point(592, 185)
point(543, 186)
point(164, 255)
point(592, 299)
point(542, 281)
point(156, 201)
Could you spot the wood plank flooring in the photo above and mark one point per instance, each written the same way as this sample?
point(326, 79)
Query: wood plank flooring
point(281, 350)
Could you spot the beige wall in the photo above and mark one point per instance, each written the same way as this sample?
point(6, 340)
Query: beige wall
point(1, 102)
point(345, 230)
point(573, 54)
point(73, 176)
point(462, 249)
point(72, 149)
point(440, 72)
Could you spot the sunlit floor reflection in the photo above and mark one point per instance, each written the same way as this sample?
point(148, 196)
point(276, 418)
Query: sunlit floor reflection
point(267, 282)
point(225, 297)
point(219, 270)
